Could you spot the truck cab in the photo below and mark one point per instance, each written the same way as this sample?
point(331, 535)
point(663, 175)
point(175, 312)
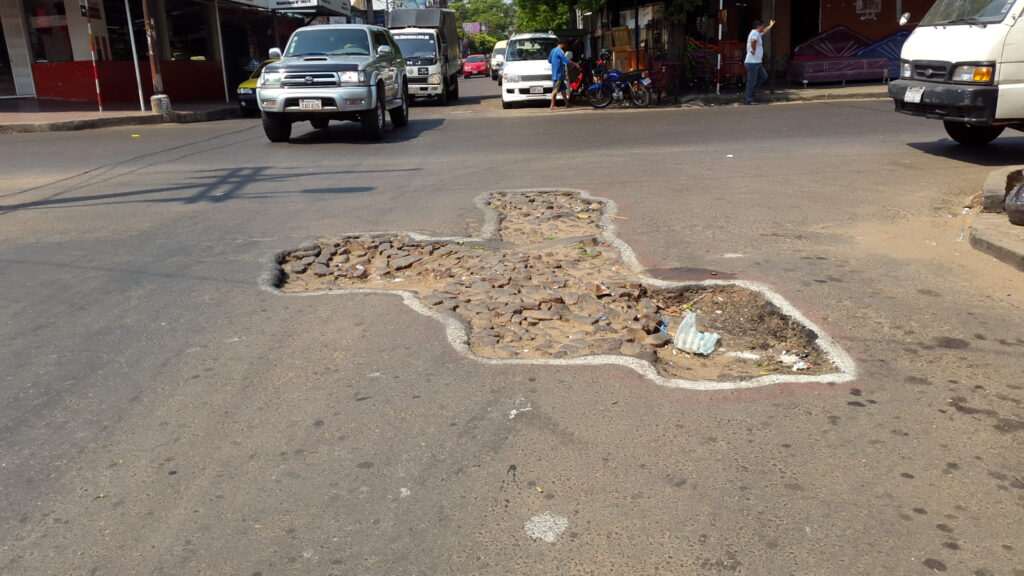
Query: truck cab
point(429, 41)
point(964, 65)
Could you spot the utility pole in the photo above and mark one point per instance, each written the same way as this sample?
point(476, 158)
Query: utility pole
point(159, 102)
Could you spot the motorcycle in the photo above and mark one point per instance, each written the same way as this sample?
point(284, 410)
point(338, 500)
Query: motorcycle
point(615, 86)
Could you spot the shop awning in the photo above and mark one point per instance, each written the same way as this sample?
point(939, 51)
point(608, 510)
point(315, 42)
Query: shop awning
point(311, 7)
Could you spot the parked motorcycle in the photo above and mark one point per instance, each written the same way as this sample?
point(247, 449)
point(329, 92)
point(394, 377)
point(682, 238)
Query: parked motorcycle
point(612, 85)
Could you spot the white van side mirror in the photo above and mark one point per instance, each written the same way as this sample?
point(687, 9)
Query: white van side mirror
point(904, 18)
point(275, 54)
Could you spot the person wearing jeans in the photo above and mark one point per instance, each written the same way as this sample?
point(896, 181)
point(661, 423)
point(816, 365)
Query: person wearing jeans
point(756, 74)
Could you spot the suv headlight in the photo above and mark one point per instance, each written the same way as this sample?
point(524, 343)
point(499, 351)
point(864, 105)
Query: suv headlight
point(906, 70)
point(352, 77)
point(270, 79)
point(434, 79)
point(973, 73)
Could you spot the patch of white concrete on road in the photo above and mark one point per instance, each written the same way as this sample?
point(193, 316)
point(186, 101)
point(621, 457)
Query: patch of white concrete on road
point(521, 405)
point(546, 526)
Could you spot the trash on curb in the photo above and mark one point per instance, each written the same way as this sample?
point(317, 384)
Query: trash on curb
point(689, 339)
point(801, 365)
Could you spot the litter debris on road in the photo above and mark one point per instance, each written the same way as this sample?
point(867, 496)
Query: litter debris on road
point(689, 339)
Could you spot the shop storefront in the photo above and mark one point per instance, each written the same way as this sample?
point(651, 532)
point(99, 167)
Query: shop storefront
point(204, 48)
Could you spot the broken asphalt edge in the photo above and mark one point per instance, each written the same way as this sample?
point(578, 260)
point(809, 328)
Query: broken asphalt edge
point(458, 334)
point(176, 117)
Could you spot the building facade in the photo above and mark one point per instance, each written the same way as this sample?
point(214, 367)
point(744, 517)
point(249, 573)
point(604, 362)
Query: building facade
point(204, 49)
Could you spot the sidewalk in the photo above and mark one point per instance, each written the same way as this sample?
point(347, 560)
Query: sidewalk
point(785, 92)
point(31, 115)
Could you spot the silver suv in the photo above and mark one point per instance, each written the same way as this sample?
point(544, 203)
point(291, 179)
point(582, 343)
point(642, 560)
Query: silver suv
point(334, 72)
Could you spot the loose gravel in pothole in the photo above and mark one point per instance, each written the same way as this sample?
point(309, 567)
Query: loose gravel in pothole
point(552, 285)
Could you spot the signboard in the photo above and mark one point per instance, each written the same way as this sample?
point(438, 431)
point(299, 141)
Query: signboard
point(327, 7)
point(471, 27)
point(89, 10)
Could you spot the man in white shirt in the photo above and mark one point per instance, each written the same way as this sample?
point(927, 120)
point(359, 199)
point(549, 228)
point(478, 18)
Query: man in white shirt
point(756, 74)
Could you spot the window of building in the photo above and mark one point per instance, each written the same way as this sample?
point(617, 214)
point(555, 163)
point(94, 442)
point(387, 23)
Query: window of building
point(48, 31)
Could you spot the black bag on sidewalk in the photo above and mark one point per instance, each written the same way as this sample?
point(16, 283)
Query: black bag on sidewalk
point(1014, 206)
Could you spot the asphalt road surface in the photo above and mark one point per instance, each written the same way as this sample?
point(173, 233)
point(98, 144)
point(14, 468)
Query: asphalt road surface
point(161, 414)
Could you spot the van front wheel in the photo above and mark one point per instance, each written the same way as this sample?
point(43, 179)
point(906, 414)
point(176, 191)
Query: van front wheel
point(971, 134)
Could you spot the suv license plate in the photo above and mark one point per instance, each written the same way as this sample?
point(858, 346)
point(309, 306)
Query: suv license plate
point(311, 104)
point(913, 95)
point(536, 89)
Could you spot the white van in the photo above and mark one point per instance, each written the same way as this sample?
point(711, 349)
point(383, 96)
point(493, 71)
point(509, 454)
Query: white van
point(498, 58)
point(964, 65)
point(526, 73)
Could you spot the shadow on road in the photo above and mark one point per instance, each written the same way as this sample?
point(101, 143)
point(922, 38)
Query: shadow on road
point(351, 132)
point(210, 186)
point(1004, 151)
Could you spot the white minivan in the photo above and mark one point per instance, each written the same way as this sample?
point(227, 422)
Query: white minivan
point(526, 73)
point(498, 58)
point(964, 65)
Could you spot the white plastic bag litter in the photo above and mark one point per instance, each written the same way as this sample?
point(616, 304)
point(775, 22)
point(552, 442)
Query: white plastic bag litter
point(689, 339)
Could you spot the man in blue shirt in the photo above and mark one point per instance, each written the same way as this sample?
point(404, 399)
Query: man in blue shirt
point(756, 74)
point(559, 61)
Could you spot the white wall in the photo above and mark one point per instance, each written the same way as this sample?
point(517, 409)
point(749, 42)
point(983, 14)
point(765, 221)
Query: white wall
point(78, 29)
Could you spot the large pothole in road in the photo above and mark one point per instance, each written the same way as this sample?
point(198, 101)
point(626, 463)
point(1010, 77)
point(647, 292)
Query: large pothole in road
point(550, 282)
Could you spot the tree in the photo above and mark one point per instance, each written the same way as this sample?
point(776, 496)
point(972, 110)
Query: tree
point(482, 44)
point(496, 14)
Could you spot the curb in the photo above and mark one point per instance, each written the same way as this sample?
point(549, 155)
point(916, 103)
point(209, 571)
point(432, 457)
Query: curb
point(995, 236)
point(178, 117)
point(779, 97)
point(997, 185)
point(88, 124)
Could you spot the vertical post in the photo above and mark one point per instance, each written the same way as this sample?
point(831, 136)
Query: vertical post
point(771, 56)
point(84, 4)
point(277, 31)
point(135, 55)
point(154, 66)
point(220, 45)
point(718, 76)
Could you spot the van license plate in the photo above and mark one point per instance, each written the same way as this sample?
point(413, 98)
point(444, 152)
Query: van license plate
point(310, 104)
point(913, 95)
point(536, 89)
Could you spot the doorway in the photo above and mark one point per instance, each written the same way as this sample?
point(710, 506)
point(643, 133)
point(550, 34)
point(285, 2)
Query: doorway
point(806, 21)
point(6, 74)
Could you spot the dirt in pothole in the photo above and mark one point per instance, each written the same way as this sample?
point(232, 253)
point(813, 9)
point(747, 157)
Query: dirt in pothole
point(563, 300)
point(533, 217)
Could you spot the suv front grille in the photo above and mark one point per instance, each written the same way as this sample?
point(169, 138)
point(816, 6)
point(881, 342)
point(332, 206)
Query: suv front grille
point(933, 71)
point(310, 80)
point(535, 77)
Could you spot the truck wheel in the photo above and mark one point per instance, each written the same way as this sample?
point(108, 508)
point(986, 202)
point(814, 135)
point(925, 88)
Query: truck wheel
point(320, 123)
point(277, 127)
point(971, 134)
point(400, 115)
point(455, 93)
point(442, 99)
point(373, 120)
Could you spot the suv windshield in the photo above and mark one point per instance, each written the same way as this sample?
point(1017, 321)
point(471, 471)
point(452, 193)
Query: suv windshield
point(329, 41)
point(417, 46)
point(530, 49)
point(967, 12)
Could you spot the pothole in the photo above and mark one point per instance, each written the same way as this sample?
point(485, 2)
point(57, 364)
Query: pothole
point(550, 283)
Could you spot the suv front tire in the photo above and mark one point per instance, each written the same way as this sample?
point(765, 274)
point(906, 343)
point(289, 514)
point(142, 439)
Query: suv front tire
point(277, 127)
